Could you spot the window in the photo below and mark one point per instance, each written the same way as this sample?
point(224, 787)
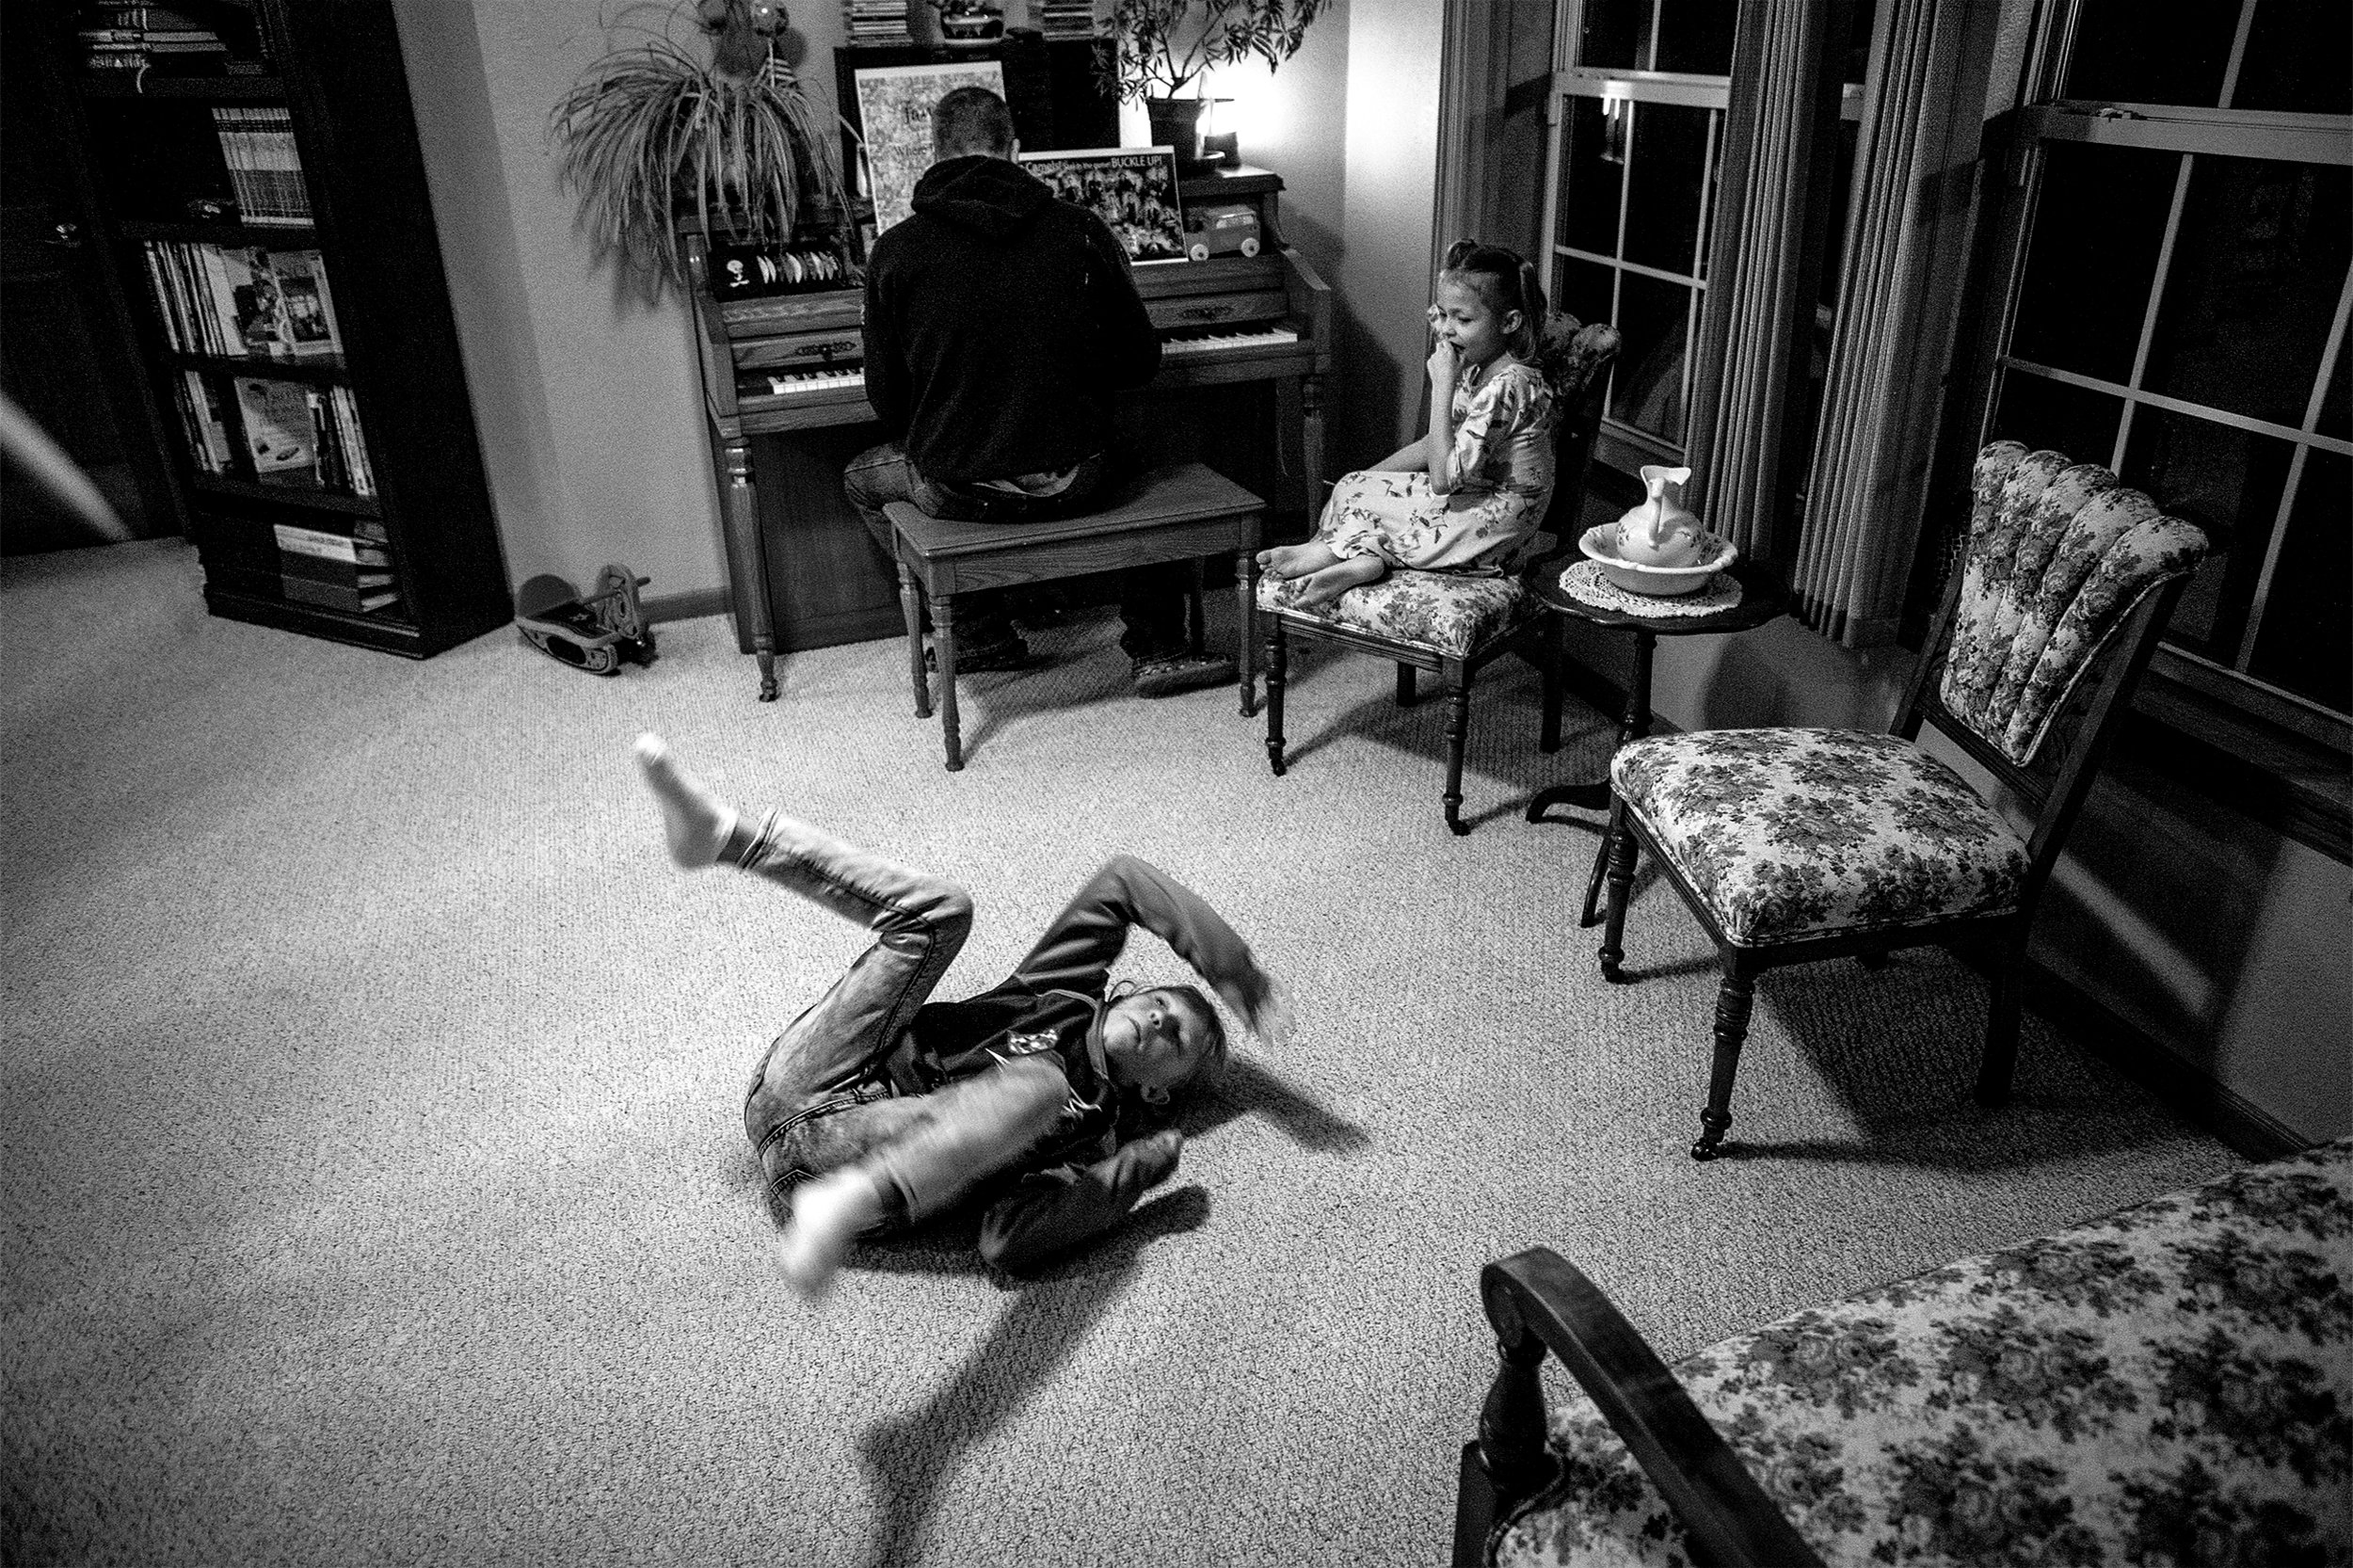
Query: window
point(2178, 259)
point(1641, 97)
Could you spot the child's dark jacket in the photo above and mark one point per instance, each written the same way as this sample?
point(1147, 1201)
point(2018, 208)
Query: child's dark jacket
point(1074, 1182)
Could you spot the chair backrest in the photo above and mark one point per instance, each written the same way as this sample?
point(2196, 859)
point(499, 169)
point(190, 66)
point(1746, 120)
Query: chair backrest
point(2063, 587)
point(1575, 360)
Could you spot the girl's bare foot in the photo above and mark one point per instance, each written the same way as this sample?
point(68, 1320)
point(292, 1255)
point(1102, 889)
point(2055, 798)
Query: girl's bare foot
point(1295, 560)
point(695, 821)
point(827, 1214)
point(1323, 586)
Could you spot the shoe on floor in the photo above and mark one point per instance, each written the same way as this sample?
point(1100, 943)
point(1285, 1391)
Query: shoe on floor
point(1182, 672)
point(1011, 654)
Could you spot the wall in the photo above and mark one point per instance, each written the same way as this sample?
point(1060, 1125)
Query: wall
point(588, 401)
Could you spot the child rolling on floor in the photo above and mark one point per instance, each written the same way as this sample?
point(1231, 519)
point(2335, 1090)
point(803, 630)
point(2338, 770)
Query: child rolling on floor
point(1479, 481)
point(878, 1108)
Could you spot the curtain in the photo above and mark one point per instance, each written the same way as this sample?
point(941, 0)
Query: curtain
point(1906, 236)
point(1763, 264)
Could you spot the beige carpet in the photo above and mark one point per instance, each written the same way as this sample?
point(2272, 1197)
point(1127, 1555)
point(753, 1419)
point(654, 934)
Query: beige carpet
point(377, 1193)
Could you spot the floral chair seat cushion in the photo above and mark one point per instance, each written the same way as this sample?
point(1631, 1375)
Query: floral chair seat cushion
point(1448, 613)
point(2171, 1384)
point(1791, 833)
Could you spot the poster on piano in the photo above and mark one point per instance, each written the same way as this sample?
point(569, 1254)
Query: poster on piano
point(894, 111)
point(1132, 189)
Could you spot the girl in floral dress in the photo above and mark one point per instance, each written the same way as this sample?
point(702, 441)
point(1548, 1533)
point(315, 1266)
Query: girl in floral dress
point(1477, 483)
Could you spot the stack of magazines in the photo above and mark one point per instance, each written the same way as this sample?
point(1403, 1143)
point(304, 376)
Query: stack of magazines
point(1064, 18)
point(242, 300)
point(876, 21)
point(341, 572)
point(263, 166)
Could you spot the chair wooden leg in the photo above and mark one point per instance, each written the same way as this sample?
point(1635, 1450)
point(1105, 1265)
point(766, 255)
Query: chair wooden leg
point(1733, 999)
point(1406, 695)
point(2001, 1025)
point(1550, 739)
point(1457, 734)
point(1246, 639)
point(1277, 669)
point(1619, 846)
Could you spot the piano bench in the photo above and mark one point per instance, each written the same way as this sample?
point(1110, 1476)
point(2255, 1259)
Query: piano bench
point(1183, 512)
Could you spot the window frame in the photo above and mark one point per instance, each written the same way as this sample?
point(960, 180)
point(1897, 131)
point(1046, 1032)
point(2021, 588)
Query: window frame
point(2188, 132)
point(1620, 444)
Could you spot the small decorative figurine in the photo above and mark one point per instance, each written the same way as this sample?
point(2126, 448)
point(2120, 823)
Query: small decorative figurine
point(1661, 531)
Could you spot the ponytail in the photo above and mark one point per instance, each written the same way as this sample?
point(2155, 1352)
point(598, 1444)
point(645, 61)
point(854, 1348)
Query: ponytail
point(1504, 282)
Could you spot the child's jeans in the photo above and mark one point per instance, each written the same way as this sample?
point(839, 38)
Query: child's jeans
point(820, 1099)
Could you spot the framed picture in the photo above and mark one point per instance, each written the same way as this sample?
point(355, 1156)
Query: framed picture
point(894, 111)
point(1132, 189)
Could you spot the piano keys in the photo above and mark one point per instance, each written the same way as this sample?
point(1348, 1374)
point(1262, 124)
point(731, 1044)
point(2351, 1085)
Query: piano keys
point(789, 366)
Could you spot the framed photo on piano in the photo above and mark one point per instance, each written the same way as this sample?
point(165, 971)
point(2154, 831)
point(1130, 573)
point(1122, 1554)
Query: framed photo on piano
point(894, 111)
point(1132, 189)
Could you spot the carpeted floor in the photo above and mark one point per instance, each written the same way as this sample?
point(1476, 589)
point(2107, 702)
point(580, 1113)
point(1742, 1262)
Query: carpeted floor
point(377, 1192)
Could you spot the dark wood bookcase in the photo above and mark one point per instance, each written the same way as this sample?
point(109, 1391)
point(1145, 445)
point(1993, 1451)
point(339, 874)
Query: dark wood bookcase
point(388, 404)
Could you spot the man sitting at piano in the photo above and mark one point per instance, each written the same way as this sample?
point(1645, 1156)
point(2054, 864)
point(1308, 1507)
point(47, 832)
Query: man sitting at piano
point(1000, 322)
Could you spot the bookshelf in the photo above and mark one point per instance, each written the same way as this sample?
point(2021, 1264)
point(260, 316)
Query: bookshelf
point(262, 209)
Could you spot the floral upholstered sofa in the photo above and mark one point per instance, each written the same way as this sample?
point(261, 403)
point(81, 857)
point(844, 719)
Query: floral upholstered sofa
point(2169, 1385)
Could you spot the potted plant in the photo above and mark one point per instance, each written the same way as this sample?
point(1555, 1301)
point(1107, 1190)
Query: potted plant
point(648, 133)
point(1154, 49)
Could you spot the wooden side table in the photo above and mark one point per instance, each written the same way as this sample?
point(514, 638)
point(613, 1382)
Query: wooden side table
point(1763, 598)
point(1171, 514)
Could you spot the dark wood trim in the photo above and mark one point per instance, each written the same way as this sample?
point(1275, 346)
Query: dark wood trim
point(1538, 1301)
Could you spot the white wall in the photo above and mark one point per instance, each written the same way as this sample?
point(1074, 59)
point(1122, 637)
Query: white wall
point(589, 403)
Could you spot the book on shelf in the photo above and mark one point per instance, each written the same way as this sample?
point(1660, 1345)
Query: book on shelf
point(264, 165)
point(304, 436)
point(205, 422)
point(875, 22)
point(340, 571)
point(216, 35)
point(245, 302)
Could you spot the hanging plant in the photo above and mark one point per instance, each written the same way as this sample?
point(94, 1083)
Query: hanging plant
point(1154, 48)
point(649, 132)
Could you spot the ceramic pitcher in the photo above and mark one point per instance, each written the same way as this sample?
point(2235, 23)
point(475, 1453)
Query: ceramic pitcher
point(1661, 531)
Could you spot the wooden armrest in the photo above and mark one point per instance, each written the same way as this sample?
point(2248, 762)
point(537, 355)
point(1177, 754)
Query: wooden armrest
point(1537, 1301)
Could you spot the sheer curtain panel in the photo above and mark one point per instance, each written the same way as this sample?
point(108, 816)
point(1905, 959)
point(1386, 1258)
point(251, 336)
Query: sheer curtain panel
point(1907, 239)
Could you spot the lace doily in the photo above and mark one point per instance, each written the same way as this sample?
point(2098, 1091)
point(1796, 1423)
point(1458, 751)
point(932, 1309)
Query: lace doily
point(1584, 582)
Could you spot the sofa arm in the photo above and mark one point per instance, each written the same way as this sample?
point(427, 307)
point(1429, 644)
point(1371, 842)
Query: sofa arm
point(1537, 1301)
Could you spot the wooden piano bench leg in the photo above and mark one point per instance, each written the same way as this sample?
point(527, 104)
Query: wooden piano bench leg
point(944, 639)
point(911, 609)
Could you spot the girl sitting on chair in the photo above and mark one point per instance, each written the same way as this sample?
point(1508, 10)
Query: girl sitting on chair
point(1477, 484)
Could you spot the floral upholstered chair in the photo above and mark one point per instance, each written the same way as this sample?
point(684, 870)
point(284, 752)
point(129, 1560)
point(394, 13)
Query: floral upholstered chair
point(1452, 625)
point(1792, 845)
point(2169, 1385)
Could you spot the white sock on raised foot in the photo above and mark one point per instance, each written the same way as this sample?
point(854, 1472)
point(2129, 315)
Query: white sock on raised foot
point(828, 1215)
point(695, 821)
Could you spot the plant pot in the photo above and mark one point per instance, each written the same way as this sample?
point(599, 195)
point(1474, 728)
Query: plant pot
point(1176, 122)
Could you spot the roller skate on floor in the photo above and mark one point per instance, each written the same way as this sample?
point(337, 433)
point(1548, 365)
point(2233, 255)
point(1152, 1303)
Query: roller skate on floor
point(596, 631)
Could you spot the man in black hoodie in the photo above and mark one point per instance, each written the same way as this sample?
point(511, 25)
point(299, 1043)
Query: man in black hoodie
point(1000, 322)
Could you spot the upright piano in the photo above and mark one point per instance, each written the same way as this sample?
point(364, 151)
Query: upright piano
point(802, 570)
